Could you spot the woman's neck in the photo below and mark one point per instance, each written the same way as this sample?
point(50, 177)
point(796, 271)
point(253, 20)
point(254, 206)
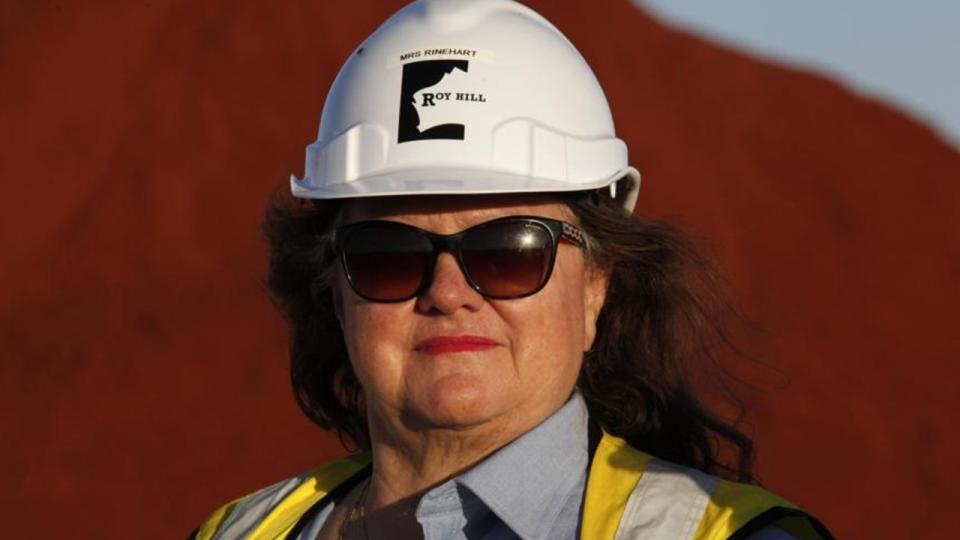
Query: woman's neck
point(408, 463)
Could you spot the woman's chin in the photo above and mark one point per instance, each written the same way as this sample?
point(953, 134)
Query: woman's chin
point(459, 402)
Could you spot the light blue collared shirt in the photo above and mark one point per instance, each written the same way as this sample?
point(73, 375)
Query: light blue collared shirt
point(530, 489)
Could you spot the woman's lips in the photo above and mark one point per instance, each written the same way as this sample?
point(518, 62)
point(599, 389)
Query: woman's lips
point(454, 344)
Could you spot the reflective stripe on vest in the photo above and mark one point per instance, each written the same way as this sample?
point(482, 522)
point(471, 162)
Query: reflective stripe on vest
point(668, 502)
point(272, 512)
point(630, 495)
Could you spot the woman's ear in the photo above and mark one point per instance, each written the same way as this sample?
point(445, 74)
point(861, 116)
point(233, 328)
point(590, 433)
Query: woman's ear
point(596, 282)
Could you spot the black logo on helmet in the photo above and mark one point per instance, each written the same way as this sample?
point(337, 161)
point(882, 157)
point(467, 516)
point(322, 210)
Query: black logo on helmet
point(416, 102)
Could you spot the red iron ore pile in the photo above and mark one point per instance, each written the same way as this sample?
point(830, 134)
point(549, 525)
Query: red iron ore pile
point(145, 376)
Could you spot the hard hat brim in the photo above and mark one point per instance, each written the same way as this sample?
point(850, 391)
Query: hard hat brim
point(454, 181)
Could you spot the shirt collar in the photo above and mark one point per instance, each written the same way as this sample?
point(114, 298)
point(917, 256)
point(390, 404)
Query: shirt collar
point(527, 483)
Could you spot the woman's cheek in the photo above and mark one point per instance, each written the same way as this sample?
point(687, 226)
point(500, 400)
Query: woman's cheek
point(375, 345)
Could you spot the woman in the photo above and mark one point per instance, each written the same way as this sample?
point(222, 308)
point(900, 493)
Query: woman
point(474, 307)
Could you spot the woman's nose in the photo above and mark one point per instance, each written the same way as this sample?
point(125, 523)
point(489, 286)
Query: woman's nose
point(449, 290)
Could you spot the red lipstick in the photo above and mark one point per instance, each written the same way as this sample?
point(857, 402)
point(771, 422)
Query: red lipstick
point(454, 344)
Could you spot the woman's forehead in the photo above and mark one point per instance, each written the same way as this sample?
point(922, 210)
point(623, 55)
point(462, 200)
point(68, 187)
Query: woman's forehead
point(465, 209)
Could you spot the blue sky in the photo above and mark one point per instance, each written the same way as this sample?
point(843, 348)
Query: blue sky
point(904, 52)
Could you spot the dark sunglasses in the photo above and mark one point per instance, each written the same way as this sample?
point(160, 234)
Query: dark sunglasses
point(510, 257)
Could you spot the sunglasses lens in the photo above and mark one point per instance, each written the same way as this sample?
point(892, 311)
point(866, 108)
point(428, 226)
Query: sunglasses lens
point(385, 263)
point(508, 260)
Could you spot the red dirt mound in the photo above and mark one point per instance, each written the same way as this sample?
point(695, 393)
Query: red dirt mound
point(144, 369)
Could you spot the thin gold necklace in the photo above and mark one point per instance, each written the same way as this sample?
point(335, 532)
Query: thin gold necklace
point(357, 508)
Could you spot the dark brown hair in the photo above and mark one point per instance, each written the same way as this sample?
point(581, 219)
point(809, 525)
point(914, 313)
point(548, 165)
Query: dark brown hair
point(661, 324)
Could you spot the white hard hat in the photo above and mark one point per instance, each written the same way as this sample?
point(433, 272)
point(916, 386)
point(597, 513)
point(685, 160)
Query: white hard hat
point(461, 97)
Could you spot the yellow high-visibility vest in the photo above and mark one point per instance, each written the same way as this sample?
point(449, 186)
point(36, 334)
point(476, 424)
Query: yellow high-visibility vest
point(630, 495)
